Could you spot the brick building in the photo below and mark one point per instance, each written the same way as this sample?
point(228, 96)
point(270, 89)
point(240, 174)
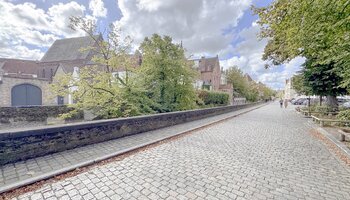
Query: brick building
point(212, 76)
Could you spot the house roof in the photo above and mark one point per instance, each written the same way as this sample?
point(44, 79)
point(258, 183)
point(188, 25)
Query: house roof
point(69, 49)
point(20, 68)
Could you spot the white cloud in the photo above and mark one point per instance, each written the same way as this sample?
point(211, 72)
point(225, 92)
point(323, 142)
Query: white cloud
point(204, 28)
point(25, 24)
point(200, 24)
point(98, 9)
point(21, 52)
point(59, 15)
point(249, 60)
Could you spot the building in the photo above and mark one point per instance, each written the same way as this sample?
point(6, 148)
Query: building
point(212, 76)
point(289, 92)
point(210, 73)
point(26, 82)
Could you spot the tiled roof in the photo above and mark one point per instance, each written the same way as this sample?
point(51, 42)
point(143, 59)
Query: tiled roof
point(20, 68)
point(69, 49)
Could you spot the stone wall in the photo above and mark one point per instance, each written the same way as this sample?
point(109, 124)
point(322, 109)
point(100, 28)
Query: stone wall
point(17, 117)
point(8, 83)
point(29, 143)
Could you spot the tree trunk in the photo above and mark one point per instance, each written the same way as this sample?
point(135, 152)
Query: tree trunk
point(332, 102)
point(320, 100)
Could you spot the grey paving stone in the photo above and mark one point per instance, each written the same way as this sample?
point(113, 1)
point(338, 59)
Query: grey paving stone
point(264, 154)
point(24, 170)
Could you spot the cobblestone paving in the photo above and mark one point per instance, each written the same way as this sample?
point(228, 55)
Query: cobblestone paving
point(15, 173)
point(264, 154)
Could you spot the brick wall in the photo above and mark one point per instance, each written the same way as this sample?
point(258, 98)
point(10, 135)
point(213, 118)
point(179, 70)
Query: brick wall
point(29, 143)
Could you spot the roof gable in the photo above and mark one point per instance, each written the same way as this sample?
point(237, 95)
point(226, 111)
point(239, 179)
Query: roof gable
point(69, 49)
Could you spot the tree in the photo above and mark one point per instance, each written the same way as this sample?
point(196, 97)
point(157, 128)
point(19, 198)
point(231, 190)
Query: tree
point(167, 74)
point(236, 78)
point(314, 29)
point(97, 88)
point(323, 80)
point(266, 92)
point(241, 85)
point(317, 30)
point(300, 85)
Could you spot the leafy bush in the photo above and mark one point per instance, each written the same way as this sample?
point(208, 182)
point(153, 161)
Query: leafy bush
point(344, 115)
point(212, 98)
point(323, 109)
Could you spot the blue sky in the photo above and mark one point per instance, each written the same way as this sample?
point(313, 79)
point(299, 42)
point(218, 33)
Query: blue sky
point(206, 27)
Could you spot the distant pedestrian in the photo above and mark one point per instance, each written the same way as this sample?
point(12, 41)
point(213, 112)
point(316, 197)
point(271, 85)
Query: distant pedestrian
point(281, 103)
point(285, 103)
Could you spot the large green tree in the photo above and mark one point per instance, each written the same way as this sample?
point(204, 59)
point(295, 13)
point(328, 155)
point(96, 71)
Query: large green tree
point(317, 30)
point(241, 85)
point(236, 77)
point(167, 74)
point(323, 80)
point(98, 88)
point(299, 84)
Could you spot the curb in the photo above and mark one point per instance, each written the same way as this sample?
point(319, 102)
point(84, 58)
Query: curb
point(118, 153)
point(330, 137)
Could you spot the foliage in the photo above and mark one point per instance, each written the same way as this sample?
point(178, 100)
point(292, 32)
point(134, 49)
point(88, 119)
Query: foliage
point(100, 92)
point(167, 74)
point(300, 85)
point(96, 87)
point(265, 92)
point(324, 109)
point(213, 98)
point(250, 90)
point(316, 29)
point(344, 115)
point(323, 80)
point(252, 94)
point(239, 82)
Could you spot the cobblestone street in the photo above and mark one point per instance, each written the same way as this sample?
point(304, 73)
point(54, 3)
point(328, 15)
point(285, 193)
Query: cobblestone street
point(267, 153)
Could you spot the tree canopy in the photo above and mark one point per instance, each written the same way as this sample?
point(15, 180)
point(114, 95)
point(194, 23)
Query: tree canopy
point(242, 87)
point(317, 30)
point(167, 73)
point(115, 87)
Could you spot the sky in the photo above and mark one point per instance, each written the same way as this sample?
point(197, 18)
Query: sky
point(226, 28)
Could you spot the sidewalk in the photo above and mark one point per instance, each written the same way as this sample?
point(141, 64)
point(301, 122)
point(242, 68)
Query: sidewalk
point(26, 172)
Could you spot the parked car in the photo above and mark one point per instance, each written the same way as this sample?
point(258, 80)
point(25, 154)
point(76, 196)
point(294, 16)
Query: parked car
point(306, 102)
point(346, 104)
point(299, 101)
point(341, 100)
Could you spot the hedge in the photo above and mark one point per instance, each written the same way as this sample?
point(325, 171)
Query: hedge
point(213, 98)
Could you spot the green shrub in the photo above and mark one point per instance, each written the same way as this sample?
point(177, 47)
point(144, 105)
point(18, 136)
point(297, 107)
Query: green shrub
point(344, 115)
point(212, 98)
point(323, 109)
